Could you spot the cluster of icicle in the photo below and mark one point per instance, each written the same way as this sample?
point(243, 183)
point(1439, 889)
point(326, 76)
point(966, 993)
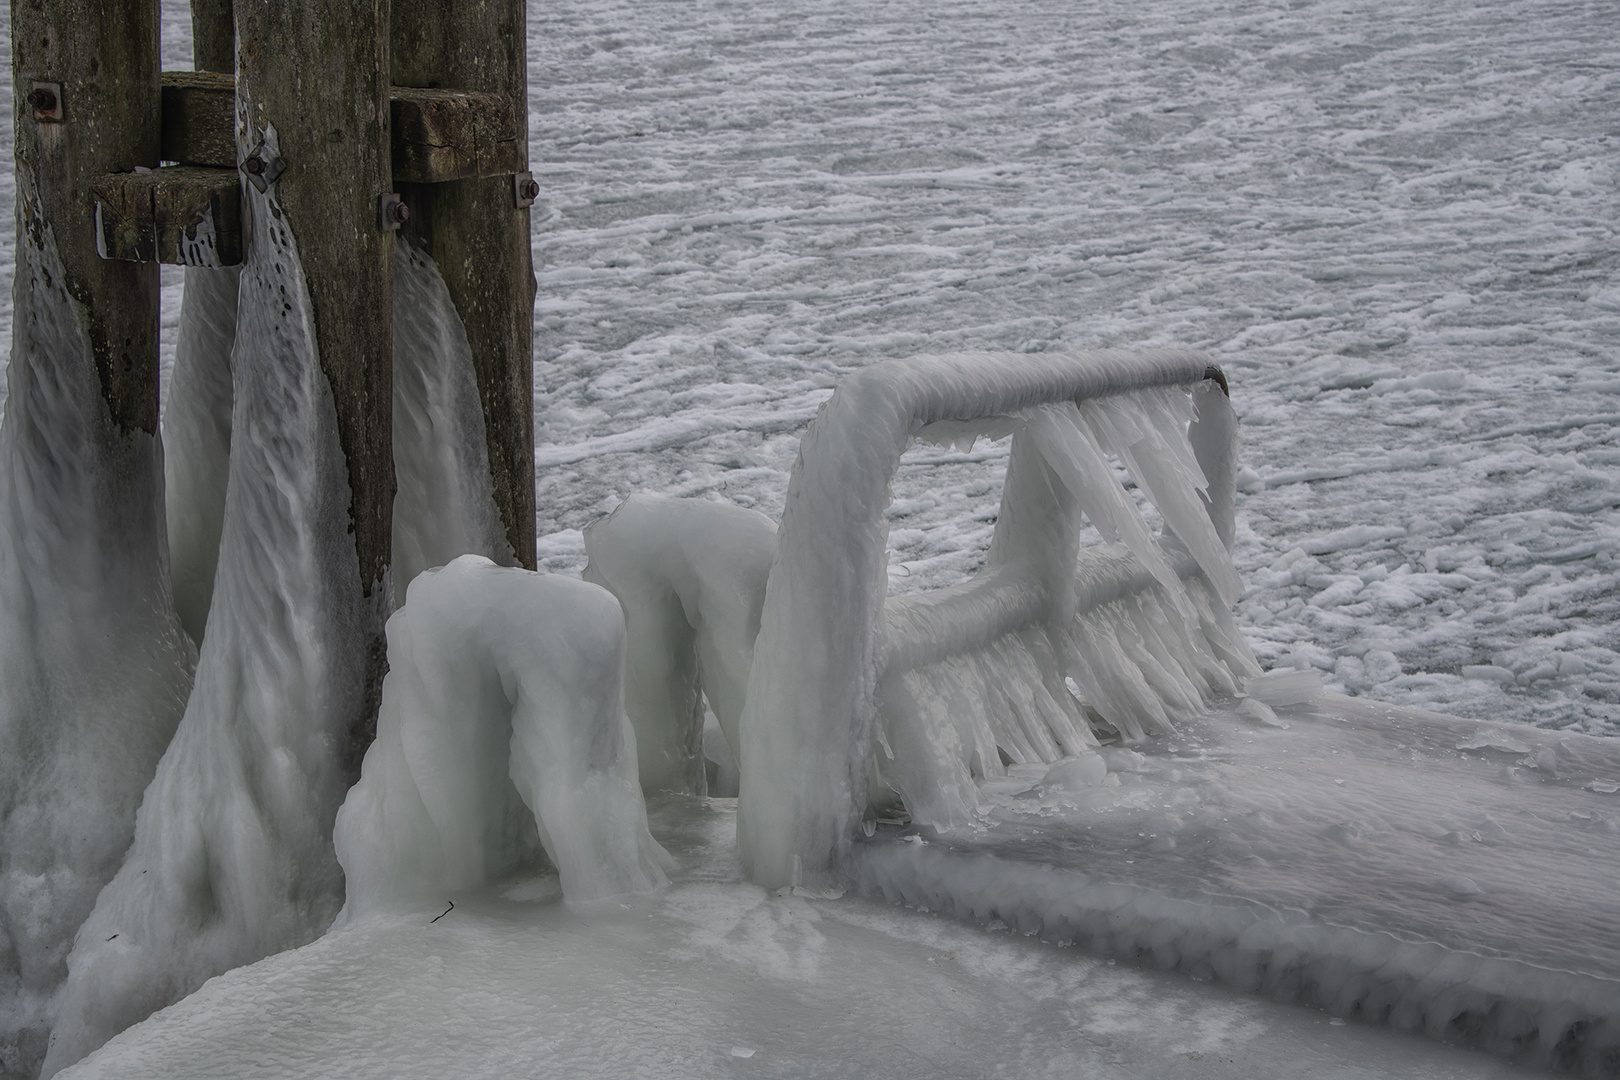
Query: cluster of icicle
point(1139, 626)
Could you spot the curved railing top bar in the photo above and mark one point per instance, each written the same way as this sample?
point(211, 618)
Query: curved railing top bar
point(807, 721)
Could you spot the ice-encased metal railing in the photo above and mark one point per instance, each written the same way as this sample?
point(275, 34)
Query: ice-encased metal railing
point(837, 663)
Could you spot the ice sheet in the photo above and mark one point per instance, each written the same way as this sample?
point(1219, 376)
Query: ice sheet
point(715, 975)
point(1400, 867)
point(94, 667)
point(232, 856)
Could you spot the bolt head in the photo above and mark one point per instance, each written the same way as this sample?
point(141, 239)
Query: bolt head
point(254, 165)
point(42, 99)
point(531, 189)
point(401, 213)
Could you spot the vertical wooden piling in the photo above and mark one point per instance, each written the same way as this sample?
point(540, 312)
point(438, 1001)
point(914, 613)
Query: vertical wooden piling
point(213, 35)
point(85, 85)
point(317, 71)
point(477, 233)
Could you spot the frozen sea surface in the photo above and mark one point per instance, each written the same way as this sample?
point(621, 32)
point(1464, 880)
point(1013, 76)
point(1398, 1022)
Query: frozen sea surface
point(1394, 225)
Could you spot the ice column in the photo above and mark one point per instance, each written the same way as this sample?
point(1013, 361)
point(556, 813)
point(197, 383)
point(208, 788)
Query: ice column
point(94, 667)
point(232, 857)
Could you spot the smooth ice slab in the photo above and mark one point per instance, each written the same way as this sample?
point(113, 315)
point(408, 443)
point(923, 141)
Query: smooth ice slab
point(715, 977)
point(1437, 874)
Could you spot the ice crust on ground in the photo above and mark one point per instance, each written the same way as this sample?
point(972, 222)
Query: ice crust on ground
point(1390, 866)
point(502, 731)
point(94, 666)
point(232, 855)
point(513, 982)
point(690, 576)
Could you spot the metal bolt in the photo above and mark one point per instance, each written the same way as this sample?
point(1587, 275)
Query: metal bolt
point(254, 166)
point(45, 98)
point(401, 213)
point(524, 190)
point(531, 190)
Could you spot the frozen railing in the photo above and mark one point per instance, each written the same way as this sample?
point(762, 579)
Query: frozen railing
point(946, 680)
point(789, 636)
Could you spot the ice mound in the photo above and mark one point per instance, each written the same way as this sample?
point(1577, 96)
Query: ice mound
point(502, 731)
point(94, 667)
point(690, 575)
point(232, 855)
point(948, 685)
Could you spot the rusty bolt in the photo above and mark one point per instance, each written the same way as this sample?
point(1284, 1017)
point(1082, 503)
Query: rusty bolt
point(400, 213)
point(531, 189)
point(254, 166)
point(43, 99)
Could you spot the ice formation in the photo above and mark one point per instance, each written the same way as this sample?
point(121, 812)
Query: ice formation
point(197, 439)
point(232, 855)
point(502, 731)
point(94, 668)
point(948, 681)
point(690, 575)
point(444, 504)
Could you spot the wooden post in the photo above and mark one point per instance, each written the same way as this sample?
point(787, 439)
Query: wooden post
point(478, 234)
point(213, 35)
point(95, 63)
point(317, 70)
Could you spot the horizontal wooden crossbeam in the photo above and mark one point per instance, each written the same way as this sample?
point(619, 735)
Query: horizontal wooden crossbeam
point(177, 214)
point(438, 135)
point(190, 213)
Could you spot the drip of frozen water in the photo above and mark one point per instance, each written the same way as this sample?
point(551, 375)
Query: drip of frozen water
point(197, 438)
point(232, 857)
point(502, 730)
point(94, 668)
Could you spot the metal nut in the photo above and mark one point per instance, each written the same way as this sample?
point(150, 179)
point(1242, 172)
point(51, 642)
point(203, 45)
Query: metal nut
point(391, 211)
point(254, 166)
point(524, 190)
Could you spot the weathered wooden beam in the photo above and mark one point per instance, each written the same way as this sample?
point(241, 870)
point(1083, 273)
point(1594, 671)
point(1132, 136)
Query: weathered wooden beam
point(443, 135)
point(100, 61)
point(179, 215)
point(478, 234)
point(199, 118)
point(438, 135)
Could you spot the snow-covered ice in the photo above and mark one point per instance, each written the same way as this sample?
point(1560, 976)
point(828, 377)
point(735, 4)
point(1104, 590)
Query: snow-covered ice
point(512, 982)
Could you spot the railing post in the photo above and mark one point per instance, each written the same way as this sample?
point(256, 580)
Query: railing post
point(477, 231)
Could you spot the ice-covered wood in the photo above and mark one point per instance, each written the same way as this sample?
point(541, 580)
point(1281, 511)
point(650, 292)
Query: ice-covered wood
point(179, 214)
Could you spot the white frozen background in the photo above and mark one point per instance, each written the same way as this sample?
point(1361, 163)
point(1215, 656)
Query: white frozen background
point(1393, 224)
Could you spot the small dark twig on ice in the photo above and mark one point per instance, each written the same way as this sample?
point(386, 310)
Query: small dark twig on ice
point(443, 913)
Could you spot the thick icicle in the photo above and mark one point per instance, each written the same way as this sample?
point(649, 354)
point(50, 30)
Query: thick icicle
point(94, 667)
point(502, 711)
point(197, 438)
point(232, 857)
